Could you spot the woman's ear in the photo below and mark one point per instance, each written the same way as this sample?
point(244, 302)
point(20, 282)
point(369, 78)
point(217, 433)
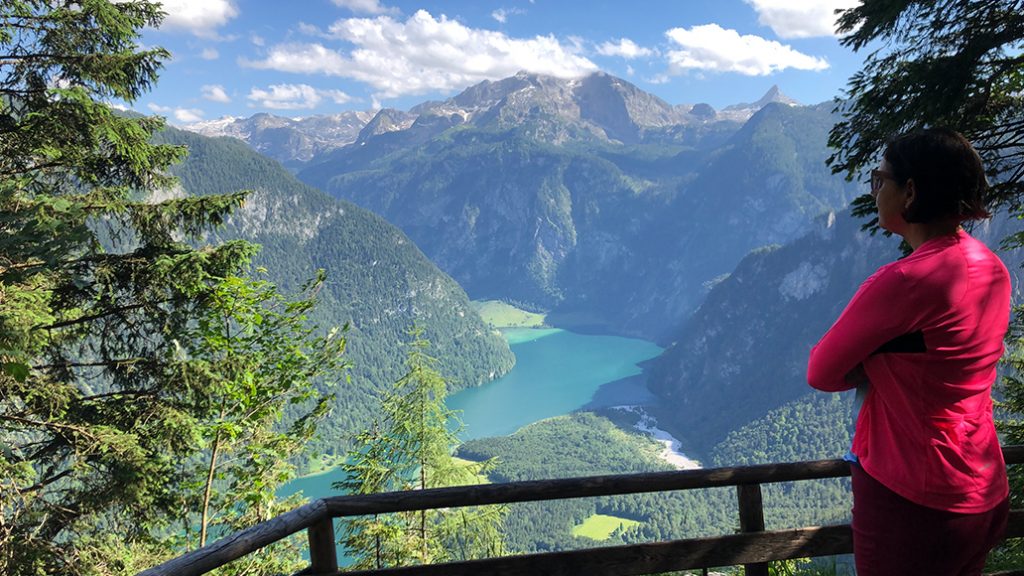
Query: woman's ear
point(910, 189)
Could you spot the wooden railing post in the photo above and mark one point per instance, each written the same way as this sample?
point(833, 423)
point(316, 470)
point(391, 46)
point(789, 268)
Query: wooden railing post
point(751, 520)
point(323, 554)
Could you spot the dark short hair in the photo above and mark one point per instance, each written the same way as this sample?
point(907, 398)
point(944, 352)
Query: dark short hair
point(948, 176)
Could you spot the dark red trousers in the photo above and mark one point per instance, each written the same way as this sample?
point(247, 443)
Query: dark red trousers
point(893, 536)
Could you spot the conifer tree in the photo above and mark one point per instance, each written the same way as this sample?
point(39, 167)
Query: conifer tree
point(106, 395)
point(950, 62)
point(411, 448)
point(258, 359)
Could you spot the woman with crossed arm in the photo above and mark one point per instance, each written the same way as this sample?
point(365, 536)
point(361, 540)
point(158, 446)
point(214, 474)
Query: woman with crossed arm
point(923, 335)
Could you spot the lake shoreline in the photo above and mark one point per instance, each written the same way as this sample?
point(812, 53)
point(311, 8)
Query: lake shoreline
point(672, 451)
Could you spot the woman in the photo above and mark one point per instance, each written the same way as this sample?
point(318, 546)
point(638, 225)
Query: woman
point(930, 494)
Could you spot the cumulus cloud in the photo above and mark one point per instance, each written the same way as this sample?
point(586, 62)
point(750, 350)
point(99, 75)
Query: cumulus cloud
point(800, 18)
point(200, 17)
point(713, 48)
point(294, 96)
point(209, 54)
point(625, 48)
point(365, 6)
point(424, 54)
point(215, 93)
point(182, 115)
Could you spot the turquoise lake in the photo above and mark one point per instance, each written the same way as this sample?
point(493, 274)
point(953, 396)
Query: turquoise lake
point(556, 372)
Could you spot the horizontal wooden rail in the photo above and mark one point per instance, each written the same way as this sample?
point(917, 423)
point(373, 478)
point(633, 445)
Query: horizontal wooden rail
point(635, 559)
point(312, 515)
point(589, 486)
point(651, 558)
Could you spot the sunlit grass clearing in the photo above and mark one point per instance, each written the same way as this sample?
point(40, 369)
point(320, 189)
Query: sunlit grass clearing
point(601, 526)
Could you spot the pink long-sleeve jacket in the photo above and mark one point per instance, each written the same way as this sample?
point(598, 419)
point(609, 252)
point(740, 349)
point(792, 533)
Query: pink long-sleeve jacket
point(929, 331)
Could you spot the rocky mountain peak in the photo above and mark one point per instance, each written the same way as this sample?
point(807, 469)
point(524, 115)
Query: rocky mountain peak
point(386, 120)
point(774, 94)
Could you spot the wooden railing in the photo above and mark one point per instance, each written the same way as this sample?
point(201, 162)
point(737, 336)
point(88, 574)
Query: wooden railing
point(753, 547)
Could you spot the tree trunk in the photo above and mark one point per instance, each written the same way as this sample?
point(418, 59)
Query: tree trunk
point(205, 519)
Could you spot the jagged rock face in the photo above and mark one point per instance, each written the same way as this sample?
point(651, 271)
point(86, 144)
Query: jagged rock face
point(386, 120)
point(744, 352)
point(622, 109)
point(598, 106)
point(621, 238)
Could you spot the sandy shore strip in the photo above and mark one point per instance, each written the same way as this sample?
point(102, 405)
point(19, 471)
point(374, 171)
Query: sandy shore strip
point(672, 452)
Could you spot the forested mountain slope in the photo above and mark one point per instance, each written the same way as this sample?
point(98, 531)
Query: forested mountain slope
point(590, 197)
point(378, 281)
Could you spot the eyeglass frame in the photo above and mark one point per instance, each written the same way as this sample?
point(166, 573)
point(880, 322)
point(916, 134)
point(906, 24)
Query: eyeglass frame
point(878, 178)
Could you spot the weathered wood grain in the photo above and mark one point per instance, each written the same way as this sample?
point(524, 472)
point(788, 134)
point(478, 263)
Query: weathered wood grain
point(241, 543)
point(751, 520)
point(323, 552)
point(651, 558)
point(535, 490)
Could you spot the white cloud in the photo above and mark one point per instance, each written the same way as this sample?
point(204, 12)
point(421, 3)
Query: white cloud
point(188, 115)
point(502, 14)
point(209, 54)
point(294, 96)
point(365, 6)
point(216, 93)
point(257, 40)
point(800, 18)
point(713, 48)
point(201, 17)
point(424, 54)
point(182, 115)
point(625, 48)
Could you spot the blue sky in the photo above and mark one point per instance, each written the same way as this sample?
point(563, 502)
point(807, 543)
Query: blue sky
point(305, 57)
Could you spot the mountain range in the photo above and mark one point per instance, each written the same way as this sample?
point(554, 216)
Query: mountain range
point(590, 198)
point(721, 234)
point(290, 141)
point(295, 141)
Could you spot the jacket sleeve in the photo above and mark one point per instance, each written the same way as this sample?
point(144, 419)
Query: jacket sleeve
point(877, 313)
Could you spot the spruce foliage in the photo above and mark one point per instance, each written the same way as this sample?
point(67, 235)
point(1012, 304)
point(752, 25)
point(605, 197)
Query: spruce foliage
point(130, 350)
point(410, 448)
point(951, 63)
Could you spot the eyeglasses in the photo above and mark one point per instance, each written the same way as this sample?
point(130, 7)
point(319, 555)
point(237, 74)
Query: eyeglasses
point(878, 178)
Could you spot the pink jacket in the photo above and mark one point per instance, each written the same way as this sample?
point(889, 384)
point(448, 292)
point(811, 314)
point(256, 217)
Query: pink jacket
point(929, 330)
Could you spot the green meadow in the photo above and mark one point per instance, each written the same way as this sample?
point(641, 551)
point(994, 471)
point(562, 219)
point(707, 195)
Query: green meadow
point(601, 526)
point(501, 315)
